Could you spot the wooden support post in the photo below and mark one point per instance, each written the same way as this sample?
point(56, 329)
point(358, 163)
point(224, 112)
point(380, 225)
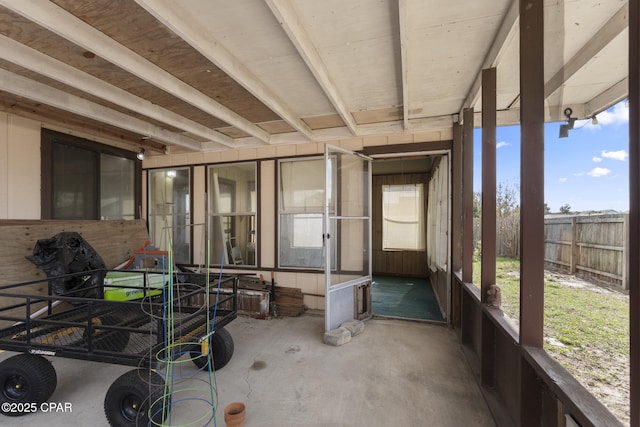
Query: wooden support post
point(532, 201)
point(467, 196)
point(532, 173)
point(634, 209)
point(456, 224)
point(488, 263)
point(488, 272)
point(456, 204)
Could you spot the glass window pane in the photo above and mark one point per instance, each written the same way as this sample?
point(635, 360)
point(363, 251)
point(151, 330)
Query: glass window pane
point(169, 212)
point(301, 241)
point(302, 185)
point(307, 231)
point(117, 187)
point(74, 183)
point(302, 202)
point(233, 211)
point(403, 217)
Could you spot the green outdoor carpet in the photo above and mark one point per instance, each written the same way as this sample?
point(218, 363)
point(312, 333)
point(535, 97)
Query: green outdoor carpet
point(404, 297)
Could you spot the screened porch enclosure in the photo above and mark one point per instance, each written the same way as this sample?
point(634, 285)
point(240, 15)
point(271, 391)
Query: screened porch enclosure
point(410, 224)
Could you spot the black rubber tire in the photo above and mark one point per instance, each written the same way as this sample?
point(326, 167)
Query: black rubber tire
point(26, 378)
point(129, 398)
point(107, 339)
point(220, 349)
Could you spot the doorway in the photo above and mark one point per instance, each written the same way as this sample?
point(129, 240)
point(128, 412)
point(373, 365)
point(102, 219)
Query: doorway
point(403, 242)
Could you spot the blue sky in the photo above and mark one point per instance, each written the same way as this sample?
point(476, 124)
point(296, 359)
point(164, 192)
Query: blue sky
point(589, 170)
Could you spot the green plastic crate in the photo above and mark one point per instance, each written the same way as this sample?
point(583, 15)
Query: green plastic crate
point(127, 285)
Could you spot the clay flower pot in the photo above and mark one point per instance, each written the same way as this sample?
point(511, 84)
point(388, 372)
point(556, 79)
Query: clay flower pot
point(234, 414)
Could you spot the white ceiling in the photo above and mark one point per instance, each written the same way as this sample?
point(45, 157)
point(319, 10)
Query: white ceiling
point(201, 75)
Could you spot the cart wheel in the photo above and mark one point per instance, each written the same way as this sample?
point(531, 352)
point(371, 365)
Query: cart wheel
point(220, 349)
point(130, 397)
point(26, 378)
point(107, 339)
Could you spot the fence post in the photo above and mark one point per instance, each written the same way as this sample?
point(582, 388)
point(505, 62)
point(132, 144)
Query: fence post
point(625, 252)
point(574, 247)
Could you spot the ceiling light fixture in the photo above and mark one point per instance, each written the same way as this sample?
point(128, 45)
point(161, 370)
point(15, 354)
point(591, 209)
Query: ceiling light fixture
point(594, 120)
point(140, 154)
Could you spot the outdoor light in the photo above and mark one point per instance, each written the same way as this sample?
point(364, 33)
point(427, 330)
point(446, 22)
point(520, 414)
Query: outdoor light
point(564, 129)
point(594, 120)
point(140, 154)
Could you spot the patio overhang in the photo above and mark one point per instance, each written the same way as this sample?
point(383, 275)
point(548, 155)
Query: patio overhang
point(203, 76)
point(216, 75)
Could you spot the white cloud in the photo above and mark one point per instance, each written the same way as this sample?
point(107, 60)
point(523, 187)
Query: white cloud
point(618, 114)
point(563, 179)
point(597, 159)
point(616, 155)
point(598, 172)
point(502, 144)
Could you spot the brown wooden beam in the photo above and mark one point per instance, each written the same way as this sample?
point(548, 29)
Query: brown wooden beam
point(467, 196)
point(532, 172)
point(488, 262)
point(488, 271)
point(530, 411)
point(456, 223)
point(407, 148)
point(456, 203)
point(634, 210)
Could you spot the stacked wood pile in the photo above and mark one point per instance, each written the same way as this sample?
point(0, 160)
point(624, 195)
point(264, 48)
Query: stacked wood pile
point(288, 301)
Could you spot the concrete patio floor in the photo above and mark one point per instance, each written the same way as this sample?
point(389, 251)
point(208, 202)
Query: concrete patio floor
point(397, 373)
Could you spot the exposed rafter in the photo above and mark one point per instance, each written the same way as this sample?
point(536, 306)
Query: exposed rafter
point(64, 24)
point(30, 89)
point(33, 60)
point(613, 95)
point(284, 12)
point(171, 15)
point(599, 41)
point(508, 29)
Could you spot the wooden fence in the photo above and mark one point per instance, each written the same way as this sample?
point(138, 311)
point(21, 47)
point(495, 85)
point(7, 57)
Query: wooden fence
point(591, 247)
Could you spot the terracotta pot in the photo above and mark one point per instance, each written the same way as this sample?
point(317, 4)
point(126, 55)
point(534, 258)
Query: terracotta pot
point(234, 414)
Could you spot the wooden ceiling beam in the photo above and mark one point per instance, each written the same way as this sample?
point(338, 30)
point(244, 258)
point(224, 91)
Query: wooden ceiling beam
point(64, 24)
point(606, 99)
point(285, 13)
point(508, 29)
point(36, 91)
point(171, 15)
point(38, 62)
point(605, 35)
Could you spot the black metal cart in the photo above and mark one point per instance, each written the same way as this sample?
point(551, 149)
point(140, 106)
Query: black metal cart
point(185, 316)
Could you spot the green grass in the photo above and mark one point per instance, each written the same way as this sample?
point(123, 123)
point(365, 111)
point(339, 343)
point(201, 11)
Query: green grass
point(591, 327)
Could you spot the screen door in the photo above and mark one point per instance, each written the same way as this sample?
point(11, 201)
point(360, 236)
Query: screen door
point(346, 235)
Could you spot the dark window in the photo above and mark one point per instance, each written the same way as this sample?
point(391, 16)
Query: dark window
point(82, 179)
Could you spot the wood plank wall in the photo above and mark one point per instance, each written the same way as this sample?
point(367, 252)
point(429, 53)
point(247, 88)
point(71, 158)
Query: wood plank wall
point(400, 263)
point(114, 241)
